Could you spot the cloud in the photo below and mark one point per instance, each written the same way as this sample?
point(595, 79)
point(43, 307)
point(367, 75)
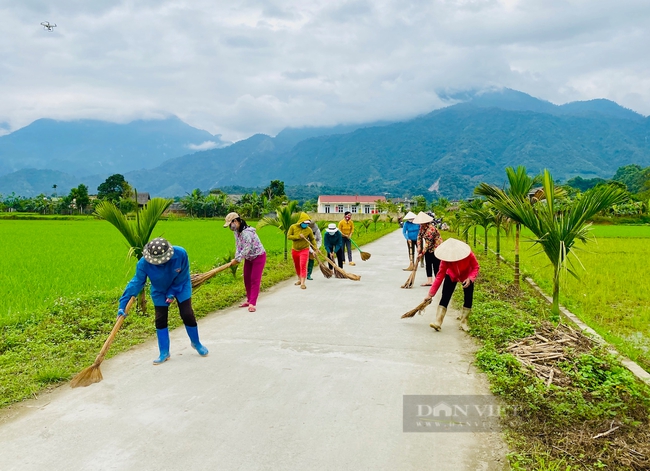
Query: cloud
point(207, 145)
point(251, 66)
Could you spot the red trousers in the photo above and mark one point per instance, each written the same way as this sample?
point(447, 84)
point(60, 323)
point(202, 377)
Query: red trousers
point(300, 259)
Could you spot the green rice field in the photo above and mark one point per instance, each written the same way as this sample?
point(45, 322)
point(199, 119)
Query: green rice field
point(47, 259)
point(613, 292)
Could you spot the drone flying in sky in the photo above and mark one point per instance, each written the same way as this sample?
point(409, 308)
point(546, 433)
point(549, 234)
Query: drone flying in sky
point(48, 26)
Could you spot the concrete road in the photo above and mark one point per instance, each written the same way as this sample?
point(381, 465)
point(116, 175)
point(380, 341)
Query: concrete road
point(314, 380)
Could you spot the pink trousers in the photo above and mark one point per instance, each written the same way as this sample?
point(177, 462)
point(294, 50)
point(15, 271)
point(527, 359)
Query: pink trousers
point(253, 277)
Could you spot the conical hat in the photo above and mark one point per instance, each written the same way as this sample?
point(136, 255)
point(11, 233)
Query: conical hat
point(422, 218)
point(452, 250)
point(408, 216)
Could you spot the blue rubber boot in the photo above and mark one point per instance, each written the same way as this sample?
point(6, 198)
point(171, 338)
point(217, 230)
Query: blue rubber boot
point(193, 334)
point(163, 346)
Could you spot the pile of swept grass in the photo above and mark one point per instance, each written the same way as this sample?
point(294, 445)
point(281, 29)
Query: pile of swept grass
point(596, 417)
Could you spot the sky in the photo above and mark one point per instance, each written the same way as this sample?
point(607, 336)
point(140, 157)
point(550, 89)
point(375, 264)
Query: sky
point(240, 67)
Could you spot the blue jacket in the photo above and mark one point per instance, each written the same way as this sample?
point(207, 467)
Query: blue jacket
point(169, 279)
point(410, 230)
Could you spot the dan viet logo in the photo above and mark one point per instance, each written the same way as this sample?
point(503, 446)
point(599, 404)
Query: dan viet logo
point(451, 413)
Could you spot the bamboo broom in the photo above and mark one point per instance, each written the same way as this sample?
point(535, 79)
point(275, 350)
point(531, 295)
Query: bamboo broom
point(419, 309)
point(199, 278)
point(327, 272)
point(93, 374)
point(349, 276)
point(411, 279)
point(364, 255)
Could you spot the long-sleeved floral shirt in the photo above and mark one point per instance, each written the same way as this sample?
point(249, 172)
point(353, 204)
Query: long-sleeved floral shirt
point(248, 244)
point(428, 238)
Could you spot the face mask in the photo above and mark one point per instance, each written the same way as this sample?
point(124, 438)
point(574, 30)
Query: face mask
point(303, 225)
point(233, 227)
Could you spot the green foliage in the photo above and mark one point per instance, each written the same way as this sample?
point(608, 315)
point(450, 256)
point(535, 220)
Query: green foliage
point(634, 177)
point(543, 421)
point(286, 217)
point(138, 233)
point(556, 231)
point(275, 189)
point(113, 188)
point(375, 220)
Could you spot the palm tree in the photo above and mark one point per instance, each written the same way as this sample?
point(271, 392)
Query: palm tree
point(193, 202)
point(285, 218)
point(556, 231)
point(480, 216)
point(499, 221)
point(520, 186)
point(375, 220)
point(136, 233)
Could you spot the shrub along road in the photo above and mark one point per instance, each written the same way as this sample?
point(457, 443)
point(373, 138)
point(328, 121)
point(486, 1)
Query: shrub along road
point(313, 380)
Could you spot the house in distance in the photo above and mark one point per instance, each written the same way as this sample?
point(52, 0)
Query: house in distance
point(353, 203)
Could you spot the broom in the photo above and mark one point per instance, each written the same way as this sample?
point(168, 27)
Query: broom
point(419, 309)
point(349, 276)
point(199, 278)
point(411, 279)
point(364, 255)
point(93, 374)
point(327, 272)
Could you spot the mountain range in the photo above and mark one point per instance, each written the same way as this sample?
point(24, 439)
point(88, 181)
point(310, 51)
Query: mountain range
point(448, 151)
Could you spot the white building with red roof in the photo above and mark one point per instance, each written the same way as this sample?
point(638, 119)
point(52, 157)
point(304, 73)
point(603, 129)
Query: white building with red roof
point(339, 204)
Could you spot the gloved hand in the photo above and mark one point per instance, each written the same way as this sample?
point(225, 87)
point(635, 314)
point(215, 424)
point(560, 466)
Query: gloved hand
point(311, 250)
point(120, 312)
point(170, 299)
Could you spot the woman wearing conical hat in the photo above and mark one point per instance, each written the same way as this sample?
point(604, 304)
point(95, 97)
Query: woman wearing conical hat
point(457, 265)
point(410, 232)
point(428, 240)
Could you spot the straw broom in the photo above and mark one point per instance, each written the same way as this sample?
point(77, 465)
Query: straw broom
point(364, 255)
point(93, 374)
point(419, 309)
point(327, 272)
point(199, 278)
point(349, 276)
point(411, 279)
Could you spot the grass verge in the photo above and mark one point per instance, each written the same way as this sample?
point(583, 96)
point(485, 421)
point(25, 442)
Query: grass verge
point(556, 426)
point(61, 339)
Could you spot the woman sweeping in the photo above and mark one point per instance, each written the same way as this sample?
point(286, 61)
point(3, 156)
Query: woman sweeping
point(458, 265)
point(334, 244)
point(319, 240)
point(301, 235)
point(410, 231)
point(249, 248)
point(428, 239)
point(168, 269)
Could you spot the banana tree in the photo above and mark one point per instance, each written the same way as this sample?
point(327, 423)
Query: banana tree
point(556, 231)
point(286, 217)
point(137, 233)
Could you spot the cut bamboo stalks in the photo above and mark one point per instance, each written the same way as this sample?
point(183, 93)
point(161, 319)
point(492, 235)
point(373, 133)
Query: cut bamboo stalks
point(419, 309)
point(349, 276)
point(93, 374)
point(364, 255)
point(411, 279)
point(199, 278)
